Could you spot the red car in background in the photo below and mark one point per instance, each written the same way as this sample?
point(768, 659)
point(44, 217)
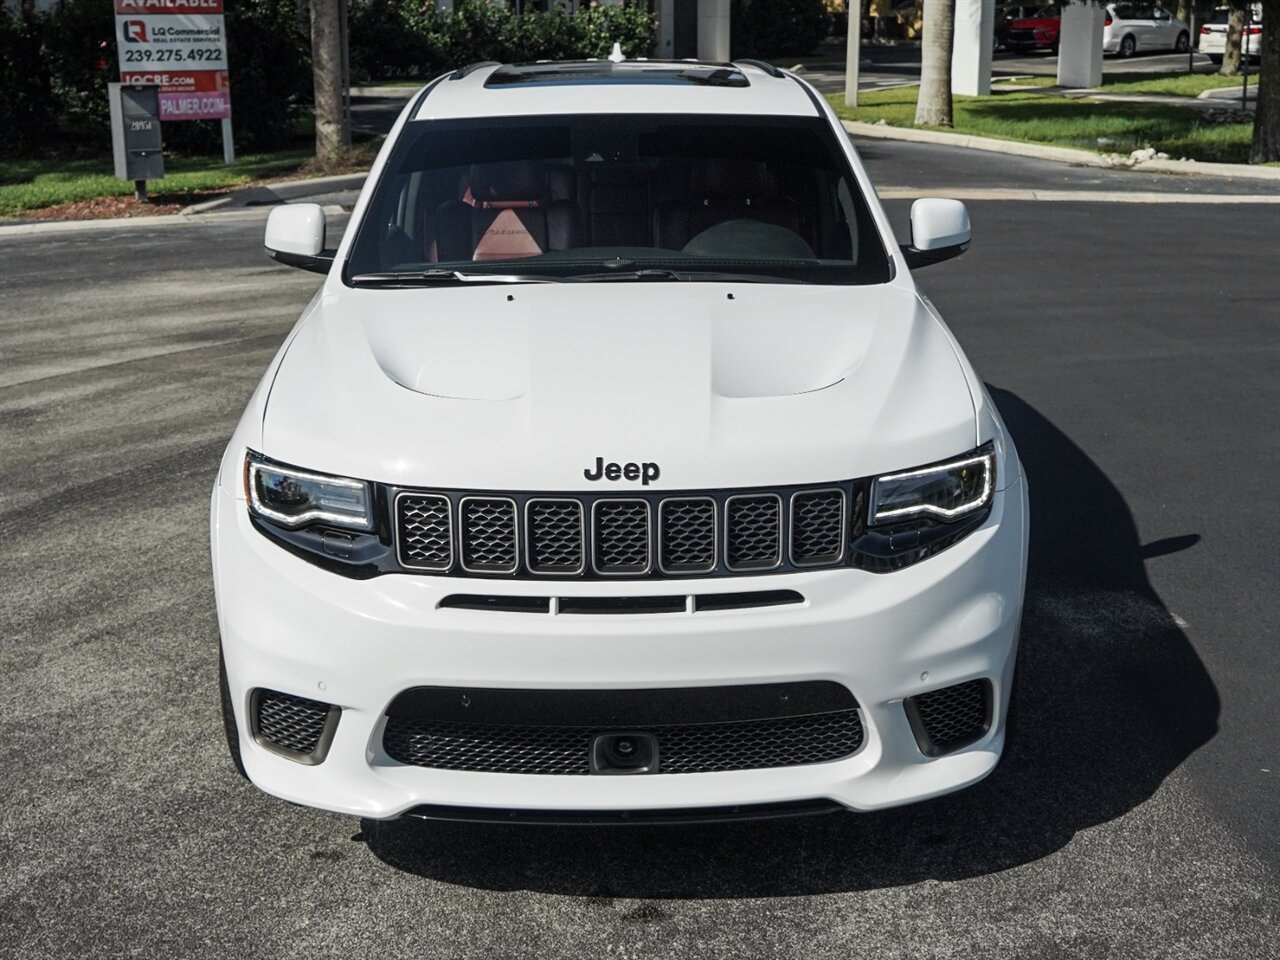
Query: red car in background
point(1037, 30)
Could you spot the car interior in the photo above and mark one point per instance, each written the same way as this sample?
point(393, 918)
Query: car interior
point(598, 190)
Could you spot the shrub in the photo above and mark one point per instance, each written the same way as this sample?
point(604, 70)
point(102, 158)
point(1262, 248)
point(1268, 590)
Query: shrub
point(79, 48)
point(26, 105)
point(413, 38)
point(778, 28)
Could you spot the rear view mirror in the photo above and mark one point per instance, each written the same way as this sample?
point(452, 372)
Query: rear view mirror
point(295, 236)
point(939, 231)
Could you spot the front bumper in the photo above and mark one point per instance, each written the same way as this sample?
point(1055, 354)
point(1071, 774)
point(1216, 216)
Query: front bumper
point(290, 626)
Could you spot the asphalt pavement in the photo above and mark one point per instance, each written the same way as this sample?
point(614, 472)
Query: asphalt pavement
point(1132, 349)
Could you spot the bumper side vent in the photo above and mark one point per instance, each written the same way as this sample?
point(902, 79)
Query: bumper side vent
point(945, 720)
point(293, 727)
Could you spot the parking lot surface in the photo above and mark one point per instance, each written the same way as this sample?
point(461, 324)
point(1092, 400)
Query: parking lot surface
point(1133, 352)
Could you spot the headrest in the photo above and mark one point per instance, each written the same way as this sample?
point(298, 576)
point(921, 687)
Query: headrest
point(732, 180)
point(506, 181)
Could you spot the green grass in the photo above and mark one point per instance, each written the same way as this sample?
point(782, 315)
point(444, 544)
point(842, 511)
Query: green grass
point(1168, 84)
point(31, 185)
point(1080, 123)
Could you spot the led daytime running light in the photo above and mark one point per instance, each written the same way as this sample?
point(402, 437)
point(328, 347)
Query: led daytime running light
point(988, 470)
point(255, 468)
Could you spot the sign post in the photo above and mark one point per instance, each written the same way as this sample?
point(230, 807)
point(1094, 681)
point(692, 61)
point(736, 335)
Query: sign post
point(179, 46)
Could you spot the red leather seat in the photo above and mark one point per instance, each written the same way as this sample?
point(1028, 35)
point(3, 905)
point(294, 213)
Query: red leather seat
point(508, 213)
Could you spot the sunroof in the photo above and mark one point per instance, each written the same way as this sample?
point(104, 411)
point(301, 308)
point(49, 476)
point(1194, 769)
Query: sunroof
point(650, 72)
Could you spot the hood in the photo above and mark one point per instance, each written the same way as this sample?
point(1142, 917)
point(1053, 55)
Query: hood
point(524, 387)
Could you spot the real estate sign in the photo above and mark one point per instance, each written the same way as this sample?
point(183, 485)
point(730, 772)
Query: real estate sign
point(180, 46)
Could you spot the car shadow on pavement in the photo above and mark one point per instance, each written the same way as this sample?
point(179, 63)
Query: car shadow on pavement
point(1113, 699)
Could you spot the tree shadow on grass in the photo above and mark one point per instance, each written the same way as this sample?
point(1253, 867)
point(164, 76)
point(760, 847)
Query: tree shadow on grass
point(1114, 698)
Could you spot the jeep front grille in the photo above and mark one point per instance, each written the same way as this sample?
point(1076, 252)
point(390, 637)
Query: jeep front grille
point(623, 536)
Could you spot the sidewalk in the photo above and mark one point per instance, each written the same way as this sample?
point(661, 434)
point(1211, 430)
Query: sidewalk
point(1208, 100)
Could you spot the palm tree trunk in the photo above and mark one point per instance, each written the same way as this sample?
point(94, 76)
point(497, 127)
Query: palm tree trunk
point(1266, 119)
point(326, 72)
point(1235, 31)
point(933, 105)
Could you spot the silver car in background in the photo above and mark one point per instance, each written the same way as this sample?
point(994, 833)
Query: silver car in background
point(1131, 28)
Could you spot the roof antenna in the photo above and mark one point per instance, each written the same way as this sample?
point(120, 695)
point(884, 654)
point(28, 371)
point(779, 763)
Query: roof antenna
point(616, 56)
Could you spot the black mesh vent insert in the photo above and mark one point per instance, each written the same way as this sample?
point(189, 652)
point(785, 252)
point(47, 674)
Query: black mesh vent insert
point(754, 532)
point(953, 717)
point(686, 748)
point(554, 532)
point(687, 535)
point(290, 723)
point(620, 536)
point(489, 534)
point(425, 531)
point(817, 527)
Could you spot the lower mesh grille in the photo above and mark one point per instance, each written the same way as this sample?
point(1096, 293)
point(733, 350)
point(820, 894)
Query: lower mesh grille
point(684, 748)
point(948, 719)
point(290, 723)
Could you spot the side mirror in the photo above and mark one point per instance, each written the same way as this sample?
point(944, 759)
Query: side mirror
point(939, 231)
point(295, 236)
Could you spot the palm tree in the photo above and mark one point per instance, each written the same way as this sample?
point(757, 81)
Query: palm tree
point(326, 71)
point(933, 105)
point(1266, 118)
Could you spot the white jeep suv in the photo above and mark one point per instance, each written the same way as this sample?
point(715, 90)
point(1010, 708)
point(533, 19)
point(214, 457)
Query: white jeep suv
point(618, 469)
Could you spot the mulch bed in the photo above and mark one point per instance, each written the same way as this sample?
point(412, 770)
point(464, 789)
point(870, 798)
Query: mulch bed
point(114, 207)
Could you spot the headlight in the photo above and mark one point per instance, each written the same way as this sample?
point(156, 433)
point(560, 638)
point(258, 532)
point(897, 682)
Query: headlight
point(292, 497)
point(944, 491)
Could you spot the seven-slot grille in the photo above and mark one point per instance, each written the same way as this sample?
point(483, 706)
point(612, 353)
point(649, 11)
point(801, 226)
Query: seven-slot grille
point(622, 536)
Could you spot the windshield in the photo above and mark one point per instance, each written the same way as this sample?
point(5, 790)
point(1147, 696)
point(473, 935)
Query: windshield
point(652, 197)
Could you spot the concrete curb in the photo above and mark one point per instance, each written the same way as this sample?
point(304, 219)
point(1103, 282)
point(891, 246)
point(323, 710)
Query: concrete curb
point(140, 223)
point(1229, 94)
point(1040, 151)
point(270, 193)
point(1086, 158)
point(1073, 196)
point(399, 90)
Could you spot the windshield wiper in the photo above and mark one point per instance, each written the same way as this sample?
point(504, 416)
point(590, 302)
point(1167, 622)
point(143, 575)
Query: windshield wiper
point(438, 276)
point(663, 273)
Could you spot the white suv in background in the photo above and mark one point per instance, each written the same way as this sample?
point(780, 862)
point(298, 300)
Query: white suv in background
point(1213, 35)
point(1131, 28)
point(618, 469)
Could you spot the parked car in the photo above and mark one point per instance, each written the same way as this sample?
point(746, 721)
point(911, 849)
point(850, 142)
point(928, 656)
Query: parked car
point(1132, 28)
point(1213, 35)
point(1006, 14)
point(1037, 28)
point(618, 469)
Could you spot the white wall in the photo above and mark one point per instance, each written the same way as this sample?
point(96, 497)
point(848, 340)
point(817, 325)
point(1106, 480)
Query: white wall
point(1080, 45)
point(713, 29)
point(971, 55)
point(666, 40)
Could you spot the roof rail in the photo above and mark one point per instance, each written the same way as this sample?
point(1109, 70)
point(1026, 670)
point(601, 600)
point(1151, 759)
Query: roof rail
point(472, 67)
point(768, 68)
